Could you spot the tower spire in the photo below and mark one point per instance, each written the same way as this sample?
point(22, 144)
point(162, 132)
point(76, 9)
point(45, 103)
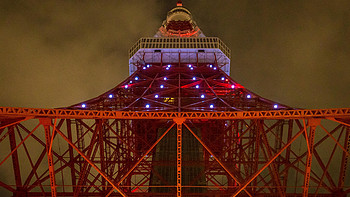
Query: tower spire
point(179, 3)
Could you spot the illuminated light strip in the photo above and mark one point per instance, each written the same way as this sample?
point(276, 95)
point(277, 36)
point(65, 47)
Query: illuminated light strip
point(15, 112)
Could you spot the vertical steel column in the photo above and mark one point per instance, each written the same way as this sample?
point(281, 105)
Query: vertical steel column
point(71, 155)
point(178, 159)
point(310, 146)
point(15, 161)
point(46, 123)
point(178, 122)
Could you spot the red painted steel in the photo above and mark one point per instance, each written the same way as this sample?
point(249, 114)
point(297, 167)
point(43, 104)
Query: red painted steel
point(228, 141)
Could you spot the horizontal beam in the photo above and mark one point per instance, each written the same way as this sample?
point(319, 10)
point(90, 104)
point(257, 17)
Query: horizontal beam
point(16, 112)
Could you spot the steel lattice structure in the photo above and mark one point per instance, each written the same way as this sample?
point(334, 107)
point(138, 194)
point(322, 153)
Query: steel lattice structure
point(177, 126)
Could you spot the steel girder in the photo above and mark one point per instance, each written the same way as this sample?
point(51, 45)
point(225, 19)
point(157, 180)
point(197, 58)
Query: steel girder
point(117, 157)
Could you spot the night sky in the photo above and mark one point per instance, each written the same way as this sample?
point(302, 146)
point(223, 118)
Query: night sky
point(58, 53)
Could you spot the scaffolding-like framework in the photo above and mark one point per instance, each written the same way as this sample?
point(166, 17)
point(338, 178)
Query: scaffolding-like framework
point(112, 153)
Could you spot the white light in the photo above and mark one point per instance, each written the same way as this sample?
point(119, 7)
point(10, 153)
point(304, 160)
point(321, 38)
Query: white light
point(275, 106)
point(167, 68)
point(232, 86)
point(202, 96)
point(110, 96)
point(211, 66)
point(147, 106)
point(126, 86)
point(156, 96)
point(169, 65)
point(191, 68)
point(165, 78)
point(193, 78)
point(136, 78)
point(248, 96)
point(197, 86)
point(190, 65)
point(214, 68)
point(222, 78)
point(148, 65)
point(161, 86)
point(83, 105)
point(211, 106)
point(144, 68)
point(130, 82)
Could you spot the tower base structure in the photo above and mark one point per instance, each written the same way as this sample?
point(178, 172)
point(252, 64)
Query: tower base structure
point(63, 152)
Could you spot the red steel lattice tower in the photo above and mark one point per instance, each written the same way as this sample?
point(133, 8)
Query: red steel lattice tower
point(177, 126)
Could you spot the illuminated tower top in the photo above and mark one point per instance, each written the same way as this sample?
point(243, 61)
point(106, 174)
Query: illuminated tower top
point(179, 23)
point(179, 34)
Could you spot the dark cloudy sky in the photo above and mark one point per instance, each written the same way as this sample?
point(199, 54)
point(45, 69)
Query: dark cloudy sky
point(57, 53)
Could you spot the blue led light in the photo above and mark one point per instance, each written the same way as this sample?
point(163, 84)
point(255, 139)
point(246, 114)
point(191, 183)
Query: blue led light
point(202, 96)
point(275, 106)
point(193, 78)
point(248, 96)
point(232, 86)
point(165, 78)
point(148, 65)
point(156, 96)
point(144, 68)
point(211, 66)
point(136, 78)
point(161, 86)
point(211, 106)
point(126, 86)
point(147, 105)
point(189, 65)
point(191, 68)
point(222, 78)
point(168, 66)
point(110, 96)
point(197, 86)
point(214, 68)
point(83, 105)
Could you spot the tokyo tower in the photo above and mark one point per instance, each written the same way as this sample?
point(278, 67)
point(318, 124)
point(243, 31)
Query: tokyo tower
point(179, 125)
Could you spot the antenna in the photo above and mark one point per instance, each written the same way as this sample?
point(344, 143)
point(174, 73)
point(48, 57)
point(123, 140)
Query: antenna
point(179, 3)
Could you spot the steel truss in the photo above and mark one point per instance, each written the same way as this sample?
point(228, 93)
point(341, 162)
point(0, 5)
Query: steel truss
point(108, 153)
